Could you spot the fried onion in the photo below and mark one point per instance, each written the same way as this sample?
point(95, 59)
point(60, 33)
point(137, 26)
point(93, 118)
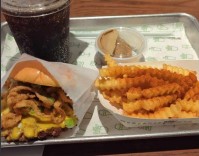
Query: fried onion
point(20, 88)
point(58, 114)
point(10, 120)
point(64, 97)
point(19, 107)
point(12, 100)
point(47, 102)
point(14, 96)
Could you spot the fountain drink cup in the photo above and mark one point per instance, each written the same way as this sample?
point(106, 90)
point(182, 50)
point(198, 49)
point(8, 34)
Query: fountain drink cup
point(40, 27)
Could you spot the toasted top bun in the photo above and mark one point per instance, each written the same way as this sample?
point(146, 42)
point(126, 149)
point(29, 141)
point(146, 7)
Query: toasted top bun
point(33, 72)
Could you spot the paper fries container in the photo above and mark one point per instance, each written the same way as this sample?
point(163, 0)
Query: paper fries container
point(72, 79)
point(136, 122)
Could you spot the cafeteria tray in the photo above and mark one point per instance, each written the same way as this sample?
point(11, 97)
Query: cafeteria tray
point(95, 24)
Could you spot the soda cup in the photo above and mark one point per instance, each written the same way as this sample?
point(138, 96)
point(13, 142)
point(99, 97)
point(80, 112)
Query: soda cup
point(40, 27)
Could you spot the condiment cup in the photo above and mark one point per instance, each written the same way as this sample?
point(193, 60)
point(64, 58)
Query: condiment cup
point(107, 42)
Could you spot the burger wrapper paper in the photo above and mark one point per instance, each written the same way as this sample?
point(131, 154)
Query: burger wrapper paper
point(76, 81)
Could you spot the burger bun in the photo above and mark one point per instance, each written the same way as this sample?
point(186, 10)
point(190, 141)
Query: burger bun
point(33, 72)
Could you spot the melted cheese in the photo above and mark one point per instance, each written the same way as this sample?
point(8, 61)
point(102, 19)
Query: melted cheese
point(16, 133)
point(30, 128)
point(32, 125)
point(40, 118)
point(5, 111)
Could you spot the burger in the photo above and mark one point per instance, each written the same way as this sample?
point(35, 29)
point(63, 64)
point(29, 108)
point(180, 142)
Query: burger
point(33, 105)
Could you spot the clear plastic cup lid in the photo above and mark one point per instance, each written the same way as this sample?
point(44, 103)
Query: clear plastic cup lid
point(32, 7)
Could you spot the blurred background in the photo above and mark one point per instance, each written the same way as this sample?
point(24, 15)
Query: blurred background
point(132, 7)
point(80, 8)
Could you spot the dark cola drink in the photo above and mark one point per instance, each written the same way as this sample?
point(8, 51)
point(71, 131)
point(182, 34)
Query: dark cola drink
point(40, 27)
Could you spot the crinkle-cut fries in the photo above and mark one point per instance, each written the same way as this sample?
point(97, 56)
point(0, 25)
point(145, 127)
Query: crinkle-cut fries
point(148, 92)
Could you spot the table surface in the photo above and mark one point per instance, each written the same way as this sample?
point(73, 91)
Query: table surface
point(187, 145)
